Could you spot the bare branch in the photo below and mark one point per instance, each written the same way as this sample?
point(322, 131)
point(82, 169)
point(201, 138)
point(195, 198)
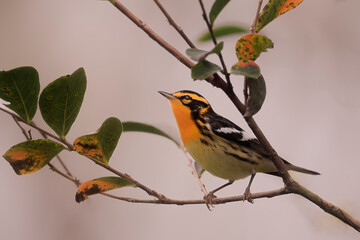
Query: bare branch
point(24, 132)
point(68, 177)
point(69, 145)
point(172, 23)
point(215, 201)
point(173, 51)
point(327, 206)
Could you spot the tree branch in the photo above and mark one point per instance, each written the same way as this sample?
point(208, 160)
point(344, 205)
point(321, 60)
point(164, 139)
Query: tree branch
point(217, 81)
point(173, 51)
point(169, 201)
point(326, 206)
point(173, 23)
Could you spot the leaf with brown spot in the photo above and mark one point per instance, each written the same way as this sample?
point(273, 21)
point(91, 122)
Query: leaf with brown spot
point(101, 145)
point(246, 68)
point(250, 46)
point(100, 185)
point(30, 156)
point(273, 9)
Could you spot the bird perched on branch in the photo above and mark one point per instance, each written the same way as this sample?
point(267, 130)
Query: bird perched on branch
point(218, 145)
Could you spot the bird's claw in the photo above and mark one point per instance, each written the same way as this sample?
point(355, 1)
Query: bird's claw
point(247, 195)
point(209, 200)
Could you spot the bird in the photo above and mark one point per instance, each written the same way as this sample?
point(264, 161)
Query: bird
point(218, 145)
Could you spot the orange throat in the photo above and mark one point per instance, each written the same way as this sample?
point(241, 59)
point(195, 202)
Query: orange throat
point(187, 127)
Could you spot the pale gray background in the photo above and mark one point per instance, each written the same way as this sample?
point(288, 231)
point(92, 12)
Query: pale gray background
point(311, 116)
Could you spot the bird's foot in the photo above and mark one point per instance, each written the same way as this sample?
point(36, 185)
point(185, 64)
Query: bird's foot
point(209, 200)
point(247, 195)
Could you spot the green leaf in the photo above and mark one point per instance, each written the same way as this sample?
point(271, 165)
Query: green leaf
point(257, 94)
point(246, 68)
point(20, 87)
point(101, 145)
point(199, 55)
point(61, 100)
point(222, 31)
point(250, 46)
point(109, 134)
point(31, 156)
point(273, 9)
point(100, 185)
point(216, 8)
point(204, 69)
point(142, 127)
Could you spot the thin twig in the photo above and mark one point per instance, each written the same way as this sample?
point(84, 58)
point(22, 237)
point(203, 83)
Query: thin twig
point(196, 176)
point(215, 201)
point(173, 51)
point(67, 170)
point(71, 178)
point(148, 190)
point(172, 23)
point(253, 26)
point(69, 145)
point(22, 129)
point(213, 37)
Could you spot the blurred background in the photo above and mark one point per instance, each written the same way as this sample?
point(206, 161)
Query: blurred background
point(311, 116)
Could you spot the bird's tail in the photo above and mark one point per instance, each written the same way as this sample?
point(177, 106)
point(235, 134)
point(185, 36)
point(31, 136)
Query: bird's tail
point(299, 169)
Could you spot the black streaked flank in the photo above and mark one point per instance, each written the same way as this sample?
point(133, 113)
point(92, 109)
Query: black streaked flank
point(203, 141)
point(241, 158)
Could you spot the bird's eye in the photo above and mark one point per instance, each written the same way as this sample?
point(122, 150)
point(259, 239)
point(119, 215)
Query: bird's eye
point(186, 99)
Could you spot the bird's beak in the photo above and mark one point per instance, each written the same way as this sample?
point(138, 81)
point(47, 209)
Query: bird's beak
point(169, 96)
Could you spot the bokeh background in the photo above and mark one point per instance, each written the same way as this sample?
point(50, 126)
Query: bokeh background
point(311, 116)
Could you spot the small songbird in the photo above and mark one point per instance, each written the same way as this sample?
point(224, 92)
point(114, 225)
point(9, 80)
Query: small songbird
point(218, 145)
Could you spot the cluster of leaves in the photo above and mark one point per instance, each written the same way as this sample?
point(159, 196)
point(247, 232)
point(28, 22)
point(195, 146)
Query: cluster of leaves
point(61, 100)
point(59, 104)
point(248, 48)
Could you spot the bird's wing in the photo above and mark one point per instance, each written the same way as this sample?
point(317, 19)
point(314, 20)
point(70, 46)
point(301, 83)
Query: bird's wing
point(228, 130)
